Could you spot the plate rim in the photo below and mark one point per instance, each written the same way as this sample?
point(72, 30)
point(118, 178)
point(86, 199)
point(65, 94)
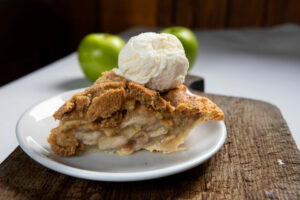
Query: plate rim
point(113, 176)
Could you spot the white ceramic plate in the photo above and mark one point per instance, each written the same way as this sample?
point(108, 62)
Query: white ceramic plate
point(34, 127)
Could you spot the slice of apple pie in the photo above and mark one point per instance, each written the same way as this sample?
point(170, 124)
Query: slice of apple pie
point(122, 116)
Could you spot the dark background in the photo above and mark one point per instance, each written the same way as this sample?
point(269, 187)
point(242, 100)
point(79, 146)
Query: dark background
point(34, 33)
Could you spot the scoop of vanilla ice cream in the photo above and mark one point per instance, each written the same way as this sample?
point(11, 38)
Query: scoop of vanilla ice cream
point(155, 60)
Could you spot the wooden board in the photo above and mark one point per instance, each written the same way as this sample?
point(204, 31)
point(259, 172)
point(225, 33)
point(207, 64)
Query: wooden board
point(259, 160)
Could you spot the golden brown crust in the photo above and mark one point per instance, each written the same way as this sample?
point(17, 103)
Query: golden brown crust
point(64, 144)
point(148, 97)
point(111, 92)
point(106, 104)
point(193, 105)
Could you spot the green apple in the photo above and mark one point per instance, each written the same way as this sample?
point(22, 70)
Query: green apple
point(98, 52)
point(188, 41)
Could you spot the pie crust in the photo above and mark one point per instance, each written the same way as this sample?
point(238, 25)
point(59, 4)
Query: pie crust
point(122, 116)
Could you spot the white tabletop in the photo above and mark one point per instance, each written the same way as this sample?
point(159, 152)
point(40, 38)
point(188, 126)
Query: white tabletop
point(261, 64)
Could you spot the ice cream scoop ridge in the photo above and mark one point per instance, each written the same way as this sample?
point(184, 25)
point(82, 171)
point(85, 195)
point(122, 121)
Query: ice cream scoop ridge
point(155, 60)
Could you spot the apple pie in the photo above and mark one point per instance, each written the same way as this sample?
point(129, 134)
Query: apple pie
point(118, 115)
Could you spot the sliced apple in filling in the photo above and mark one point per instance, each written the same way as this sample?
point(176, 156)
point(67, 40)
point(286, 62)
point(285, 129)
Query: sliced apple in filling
point(121, 116)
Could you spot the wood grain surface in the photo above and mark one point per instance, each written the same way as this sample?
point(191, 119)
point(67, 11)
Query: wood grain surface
point(259, 160)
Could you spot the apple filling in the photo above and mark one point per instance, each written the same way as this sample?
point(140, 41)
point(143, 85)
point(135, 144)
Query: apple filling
point(140, 128)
